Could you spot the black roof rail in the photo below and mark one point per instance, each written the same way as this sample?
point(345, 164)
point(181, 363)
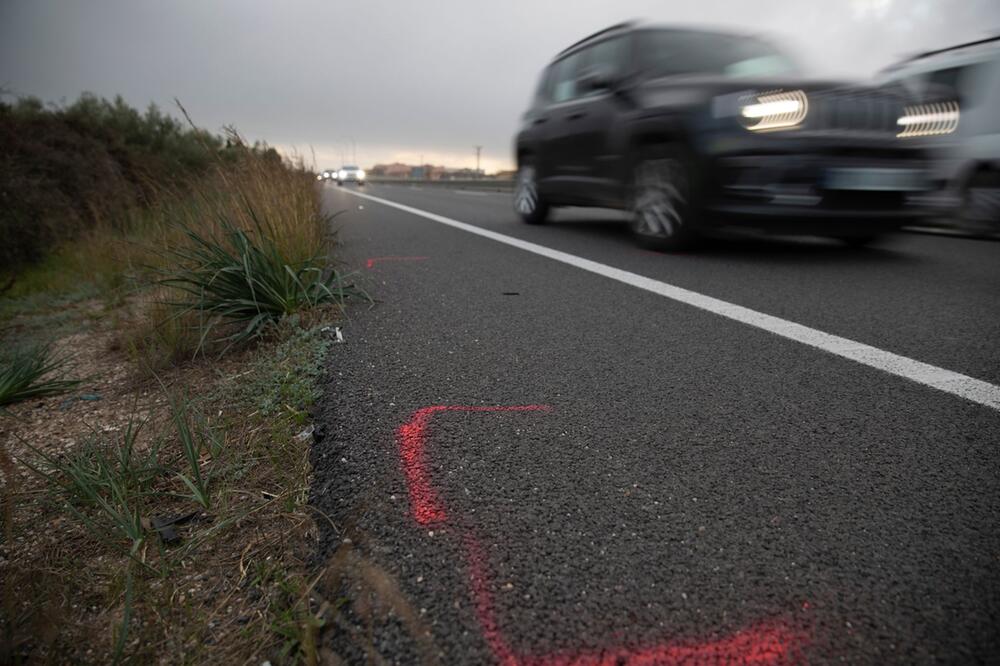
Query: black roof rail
point(615, 27)
point(978, 42)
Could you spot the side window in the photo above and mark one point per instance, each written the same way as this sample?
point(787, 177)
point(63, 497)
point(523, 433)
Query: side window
point(609, 54)
point(544, 89)
point(564, 74)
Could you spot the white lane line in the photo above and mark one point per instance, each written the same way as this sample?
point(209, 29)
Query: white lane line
point(941, 379)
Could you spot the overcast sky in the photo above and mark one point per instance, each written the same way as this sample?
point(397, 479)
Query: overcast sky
point(401, 79)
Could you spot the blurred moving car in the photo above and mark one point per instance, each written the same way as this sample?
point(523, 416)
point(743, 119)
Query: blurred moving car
point(328, 174)
point(964, 82)
point(351, 174)
point(696, 132)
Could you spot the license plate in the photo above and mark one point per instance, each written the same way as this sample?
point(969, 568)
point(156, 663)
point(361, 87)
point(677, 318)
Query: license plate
point(876, 180)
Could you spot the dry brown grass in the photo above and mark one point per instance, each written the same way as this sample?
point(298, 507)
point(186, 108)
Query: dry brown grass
point(232, 590)
point(238, 587)
point(118, 252)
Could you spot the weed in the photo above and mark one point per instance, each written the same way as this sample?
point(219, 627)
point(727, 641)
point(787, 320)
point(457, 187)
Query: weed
point(283, 379)
point(32, 372)
point(249, 281)
point(104, 485)
point(194, 436)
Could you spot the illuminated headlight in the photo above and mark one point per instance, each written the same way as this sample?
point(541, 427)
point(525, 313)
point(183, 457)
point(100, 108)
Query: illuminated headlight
point(774, 111)
point(342, 174)
point(319, 177)
point(361, 174)
point(929, 120)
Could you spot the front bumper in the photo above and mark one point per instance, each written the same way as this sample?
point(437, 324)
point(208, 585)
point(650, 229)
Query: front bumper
point(785, 190)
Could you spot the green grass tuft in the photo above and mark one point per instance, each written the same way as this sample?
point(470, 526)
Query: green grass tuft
point(32, 372)
point(104, 485)
point(246, 280)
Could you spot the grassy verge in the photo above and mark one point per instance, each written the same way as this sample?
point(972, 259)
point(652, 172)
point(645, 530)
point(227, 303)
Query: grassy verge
point(154, 443)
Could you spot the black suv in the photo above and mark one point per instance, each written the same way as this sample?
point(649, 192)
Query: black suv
point(696, 131)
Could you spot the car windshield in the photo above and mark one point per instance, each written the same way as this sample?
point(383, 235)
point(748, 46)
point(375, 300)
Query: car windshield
point(672, 52)
point(350, 168)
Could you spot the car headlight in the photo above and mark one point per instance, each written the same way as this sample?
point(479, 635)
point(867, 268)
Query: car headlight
point(772, 111)
point(342, 174)
point(361, 174)
point(929, 120)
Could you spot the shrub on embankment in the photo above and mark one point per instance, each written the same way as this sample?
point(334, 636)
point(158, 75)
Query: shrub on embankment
point(65, 170)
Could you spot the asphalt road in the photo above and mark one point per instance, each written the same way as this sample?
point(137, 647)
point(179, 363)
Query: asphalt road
point(556, 467)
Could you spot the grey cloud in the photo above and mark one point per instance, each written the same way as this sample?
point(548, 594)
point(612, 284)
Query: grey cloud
point(417, 77)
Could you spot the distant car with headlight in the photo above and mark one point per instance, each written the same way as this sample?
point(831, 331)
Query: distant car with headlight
point(957, 118)
point(351, 174)
point(696, 132)
point(328, 174)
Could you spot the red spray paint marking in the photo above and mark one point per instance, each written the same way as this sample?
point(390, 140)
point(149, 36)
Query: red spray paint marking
point(772, 644)
point(412, 440)
point(370, 263)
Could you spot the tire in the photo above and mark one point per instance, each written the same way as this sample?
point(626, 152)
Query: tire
point(665, 200)
point(528, 201)
point(340, 183)
point(980, 208)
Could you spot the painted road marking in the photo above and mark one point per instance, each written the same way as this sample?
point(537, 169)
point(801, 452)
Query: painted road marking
point(773, 642)
point(963, 386)
point(412, 440)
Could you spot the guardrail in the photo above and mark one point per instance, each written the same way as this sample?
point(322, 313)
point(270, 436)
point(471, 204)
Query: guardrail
point(480, 184)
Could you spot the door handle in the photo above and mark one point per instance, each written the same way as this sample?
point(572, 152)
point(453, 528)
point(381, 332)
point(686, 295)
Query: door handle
point(577, 115)
point(539, 121)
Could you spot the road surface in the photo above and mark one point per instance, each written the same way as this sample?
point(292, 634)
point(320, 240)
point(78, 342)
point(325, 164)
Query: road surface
point(565, 449)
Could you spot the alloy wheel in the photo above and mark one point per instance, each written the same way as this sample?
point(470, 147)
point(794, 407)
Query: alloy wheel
point(526, 192)
point(661, 199)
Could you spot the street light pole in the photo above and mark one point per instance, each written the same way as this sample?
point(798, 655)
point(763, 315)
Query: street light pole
point(479, 150)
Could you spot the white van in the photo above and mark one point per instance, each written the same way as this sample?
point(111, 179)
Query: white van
point(959, 91)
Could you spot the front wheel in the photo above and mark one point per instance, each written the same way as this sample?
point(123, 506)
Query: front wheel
point(528, 202)
point(664, 201)
point(980, 208)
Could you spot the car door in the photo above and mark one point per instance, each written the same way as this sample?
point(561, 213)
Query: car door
point(594, 152)
point(580, 120)
point(557, 127)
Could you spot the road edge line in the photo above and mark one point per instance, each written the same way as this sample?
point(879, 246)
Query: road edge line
point(947, 381)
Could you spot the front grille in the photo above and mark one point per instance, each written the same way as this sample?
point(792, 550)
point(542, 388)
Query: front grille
point(854, 111)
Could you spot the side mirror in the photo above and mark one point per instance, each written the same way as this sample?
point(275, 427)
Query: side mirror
point(597, 77)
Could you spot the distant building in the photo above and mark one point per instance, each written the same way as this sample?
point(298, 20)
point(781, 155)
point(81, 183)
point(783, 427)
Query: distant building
point(424, 172)
point(394, 170)
point(505, 175)
point(427, 172)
